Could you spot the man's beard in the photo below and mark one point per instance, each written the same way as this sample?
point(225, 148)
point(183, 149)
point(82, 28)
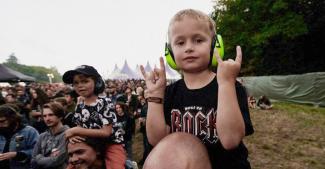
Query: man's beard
point(8, 130)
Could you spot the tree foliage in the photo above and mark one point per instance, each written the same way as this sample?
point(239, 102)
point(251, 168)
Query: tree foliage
point(39, 72)
point(277, 36)
point(12, 59)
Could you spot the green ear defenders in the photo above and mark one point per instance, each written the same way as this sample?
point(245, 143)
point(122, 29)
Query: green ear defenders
point(217, 44)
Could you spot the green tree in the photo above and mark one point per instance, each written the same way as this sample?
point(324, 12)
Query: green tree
point(39, 72)
point(272, 33)
point(12, 59)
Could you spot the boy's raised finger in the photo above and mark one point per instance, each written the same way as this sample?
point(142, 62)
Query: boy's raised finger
point(162, 64)
point(239, 56)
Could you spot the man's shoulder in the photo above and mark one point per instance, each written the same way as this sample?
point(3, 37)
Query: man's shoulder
point(28, 129)
point(45, 134)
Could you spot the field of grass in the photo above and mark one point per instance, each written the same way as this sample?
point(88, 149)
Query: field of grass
point(290, 136)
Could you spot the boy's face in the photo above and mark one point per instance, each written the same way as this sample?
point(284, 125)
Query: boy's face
point(191, 44)
point(84, 86)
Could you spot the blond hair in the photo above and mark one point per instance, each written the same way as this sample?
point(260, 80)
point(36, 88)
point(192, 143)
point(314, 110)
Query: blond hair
point(194, 14)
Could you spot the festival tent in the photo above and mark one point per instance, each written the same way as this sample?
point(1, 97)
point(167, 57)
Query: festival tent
point(305, 88)
point(138, 72)
point(170, 73)
point(128, 71)
point(116, 74)
point(9, 75)
point(148, 68)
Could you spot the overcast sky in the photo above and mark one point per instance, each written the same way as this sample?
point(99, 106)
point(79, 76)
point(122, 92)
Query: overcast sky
point(101, 33)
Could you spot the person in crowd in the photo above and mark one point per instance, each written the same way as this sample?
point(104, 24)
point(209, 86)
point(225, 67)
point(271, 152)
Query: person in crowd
point(70, 96)
point(50, 93)
point(10, 98)
point(139, 91)
point(63, 102)
point(87, 154)
point(142, 123)
point(264, 103)
point(39, 98)
point(200, 120)
point(23, 101)
point(50, 149)
point(94, 115)
point(131, 100)
point(16, 139)
point(251, 102)
point(126, 127)
point(112, 92)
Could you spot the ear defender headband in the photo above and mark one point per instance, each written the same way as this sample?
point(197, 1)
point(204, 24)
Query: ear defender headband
point(217, 44)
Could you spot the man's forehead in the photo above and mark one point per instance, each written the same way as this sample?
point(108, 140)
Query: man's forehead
point(75, 147)
point(47, 111)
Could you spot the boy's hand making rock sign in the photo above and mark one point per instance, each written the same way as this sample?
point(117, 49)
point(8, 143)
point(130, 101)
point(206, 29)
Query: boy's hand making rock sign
point(155, 80)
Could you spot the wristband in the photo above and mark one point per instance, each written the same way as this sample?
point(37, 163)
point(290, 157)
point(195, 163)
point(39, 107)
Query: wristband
point(155, 100)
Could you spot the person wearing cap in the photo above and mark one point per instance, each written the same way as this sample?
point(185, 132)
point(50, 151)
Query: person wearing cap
point(94, 115)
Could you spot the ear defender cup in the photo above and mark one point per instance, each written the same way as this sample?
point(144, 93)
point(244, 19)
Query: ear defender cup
point(170, 57)
point(217, 44)
point(99, 86)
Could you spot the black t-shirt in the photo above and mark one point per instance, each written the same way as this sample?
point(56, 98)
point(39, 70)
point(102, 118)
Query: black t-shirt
point(194, 111)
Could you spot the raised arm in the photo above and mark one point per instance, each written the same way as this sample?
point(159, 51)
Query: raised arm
point(105, 131)
point(156, 83)
point(230, 123)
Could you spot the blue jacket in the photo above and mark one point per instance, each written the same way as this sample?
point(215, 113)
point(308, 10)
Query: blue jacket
point(22, 141)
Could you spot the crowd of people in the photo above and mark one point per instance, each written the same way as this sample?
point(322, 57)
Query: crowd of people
point(198, 121)
point(38, 124)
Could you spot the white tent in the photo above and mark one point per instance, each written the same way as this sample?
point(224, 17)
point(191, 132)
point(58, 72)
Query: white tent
point(170, 73)
point(148, 68)
point(128, 71)
point(138, 72)
point(116, 74)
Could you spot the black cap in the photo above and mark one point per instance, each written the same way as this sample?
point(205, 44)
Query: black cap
point(83, 69)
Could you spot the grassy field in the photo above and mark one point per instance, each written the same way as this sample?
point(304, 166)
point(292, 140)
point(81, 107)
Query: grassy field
point(290, 136)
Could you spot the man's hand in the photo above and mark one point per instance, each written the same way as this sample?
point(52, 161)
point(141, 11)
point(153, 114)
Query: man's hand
point(228, 70)
point(7, 156)
point(55, 152)
point(155, 80)
point(80, 99)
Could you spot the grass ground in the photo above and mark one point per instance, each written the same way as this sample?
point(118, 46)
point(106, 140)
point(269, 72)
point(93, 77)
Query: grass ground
point(290, 136)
